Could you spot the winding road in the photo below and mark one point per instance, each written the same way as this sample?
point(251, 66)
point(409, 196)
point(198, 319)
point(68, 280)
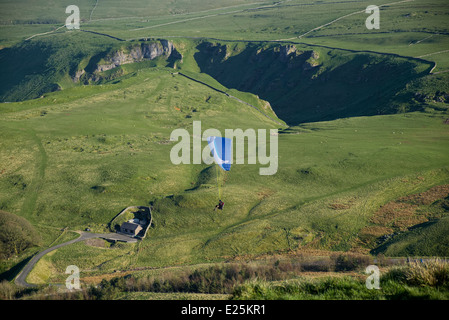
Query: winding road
point(21, 278)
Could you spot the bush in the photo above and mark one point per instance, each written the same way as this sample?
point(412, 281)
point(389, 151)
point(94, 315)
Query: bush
point(16, 235)
point(216, 279)
point(303, 288)
point(350, 262)
point(432, 272)
point(7, 290)
point(317, 266)
point(107, 290)
point(223, 279)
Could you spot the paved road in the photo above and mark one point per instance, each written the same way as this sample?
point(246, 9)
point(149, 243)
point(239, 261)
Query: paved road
point(21, 278)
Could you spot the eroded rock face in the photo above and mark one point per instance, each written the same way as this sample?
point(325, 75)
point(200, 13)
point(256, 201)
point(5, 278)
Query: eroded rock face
point(286, 51)
point(136, 53)
point(146, 51)
point(78, 75)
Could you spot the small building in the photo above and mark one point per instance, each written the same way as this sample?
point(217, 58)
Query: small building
point(131, 229)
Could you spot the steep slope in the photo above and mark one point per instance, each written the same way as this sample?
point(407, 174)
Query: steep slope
point(428, 239)
point(304, 83)
point(39, 66)
point(108, 147)
point(420, 223)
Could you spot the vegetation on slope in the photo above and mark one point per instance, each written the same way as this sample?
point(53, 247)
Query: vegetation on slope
point(35, 67)
point(16, 235)
point(84, 153)
point(301, 83)
point(423, 281)
point(268, 280)
point(410, 226)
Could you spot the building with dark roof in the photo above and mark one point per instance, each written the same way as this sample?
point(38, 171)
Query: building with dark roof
point(131, 229)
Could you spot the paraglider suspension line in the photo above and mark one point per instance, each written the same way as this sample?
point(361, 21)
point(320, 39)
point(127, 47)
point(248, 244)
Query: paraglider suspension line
point(219, 182)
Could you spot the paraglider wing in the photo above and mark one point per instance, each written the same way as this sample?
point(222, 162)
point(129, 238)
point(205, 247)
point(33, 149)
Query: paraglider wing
point(221, 150)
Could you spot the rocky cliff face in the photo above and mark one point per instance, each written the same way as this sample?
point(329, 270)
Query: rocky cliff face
point(286, 55)
point(287, 51)
point(136, 53)
point(146, 51)
point(294, 58)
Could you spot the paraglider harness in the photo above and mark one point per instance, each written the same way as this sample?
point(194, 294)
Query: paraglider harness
point(219, 205)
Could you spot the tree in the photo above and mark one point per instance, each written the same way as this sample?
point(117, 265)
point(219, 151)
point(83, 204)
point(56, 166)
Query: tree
point(16, 235)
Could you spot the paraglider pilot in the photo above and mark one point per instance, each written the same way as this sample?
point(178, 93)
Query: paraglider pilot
point(219, 205)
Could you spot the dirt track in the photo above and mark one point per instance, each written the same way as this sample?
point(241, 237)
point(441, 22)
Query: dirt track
point(21, 278)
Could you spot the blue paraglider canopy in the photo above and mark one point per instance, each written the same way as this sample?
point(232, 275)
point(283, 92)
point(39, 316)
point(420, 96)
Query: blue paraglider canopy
point(221, 149)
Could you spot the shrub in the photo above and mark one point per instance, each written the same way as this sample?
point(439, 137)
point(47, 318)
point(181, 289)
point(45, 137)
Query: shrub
point(303, 288)
point(7, 290)
point(350, 262)
point(317, 266)
point(107, 290)
point(16, 235)
point(432, 272)
point(215, 279)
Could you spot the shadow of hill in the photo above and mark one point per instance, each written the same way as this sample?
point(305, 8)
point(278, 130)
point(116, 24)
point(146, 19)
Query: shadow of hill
point(305, 85)
point(10, 274)
point(20, 63)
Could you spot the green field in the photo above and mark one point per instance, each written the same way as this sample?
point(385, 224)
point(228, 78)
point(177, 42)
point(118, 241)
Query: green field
point(362, 117)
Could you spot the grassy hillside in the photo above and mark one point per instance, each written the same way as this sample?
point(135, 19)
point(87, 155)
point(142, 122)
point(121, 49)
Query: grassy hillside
point(93, 150)
point(413, 28)
point(361, 126)
point(411, 225)
point(61, 61)
point(426, 239)
point(302, 83)
point(411, 282)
